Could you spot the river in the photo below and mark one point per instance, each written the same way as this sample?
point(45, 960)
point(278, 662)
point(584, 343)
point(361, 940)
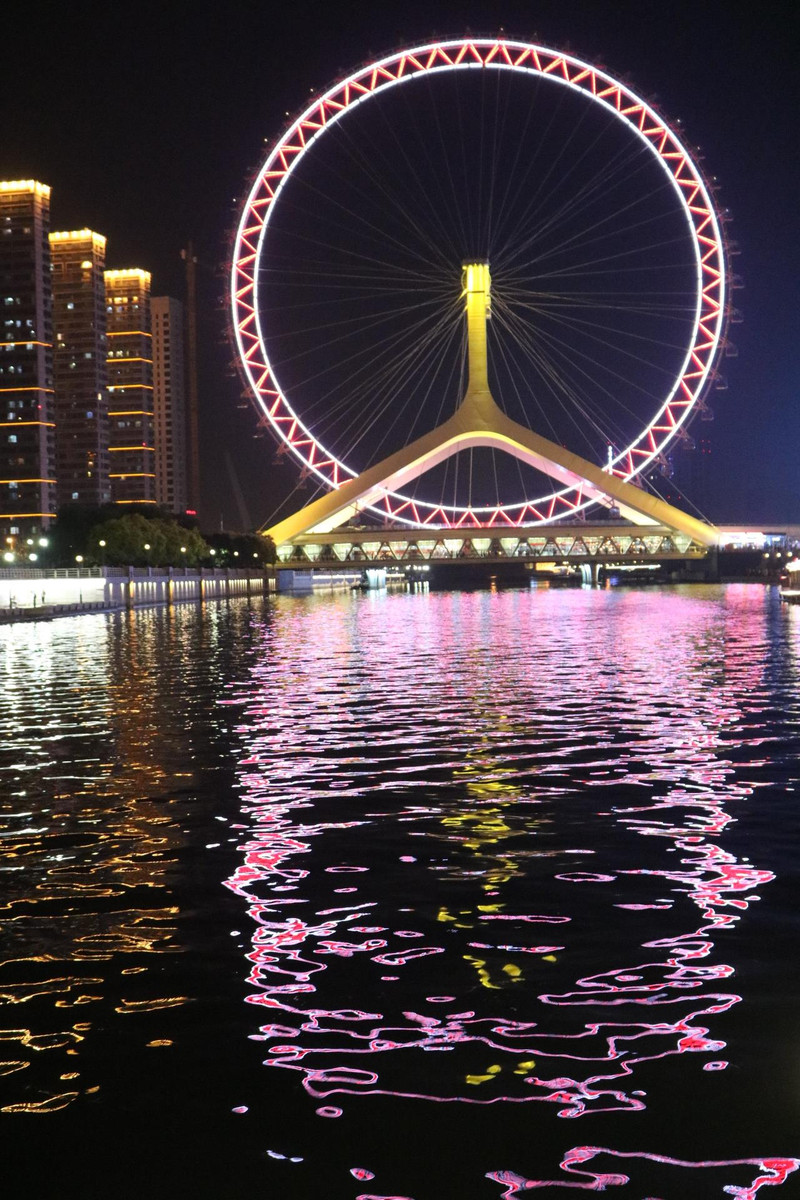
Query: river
point(416, 895)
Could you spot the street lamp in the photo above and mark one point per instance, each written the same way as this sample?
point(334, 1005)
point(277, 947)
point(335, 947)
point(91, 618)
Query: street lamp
point(8, 556)
point(78, 558)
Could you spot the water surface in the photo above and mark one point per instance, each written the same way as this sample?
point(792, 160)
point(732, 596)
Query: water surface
point(414, 895)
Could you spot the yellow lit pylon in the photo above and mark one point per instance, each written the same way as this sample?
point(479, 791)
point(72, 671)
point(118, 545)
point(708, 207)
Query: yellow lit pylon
point(479, 421)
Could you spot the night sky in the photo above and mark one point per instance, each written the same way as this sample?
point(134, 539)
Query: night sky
point(147, 121)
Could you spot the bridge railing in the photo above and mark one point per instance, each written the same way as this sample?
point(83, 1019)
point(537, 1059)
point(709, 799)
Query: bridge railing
point(582, 547)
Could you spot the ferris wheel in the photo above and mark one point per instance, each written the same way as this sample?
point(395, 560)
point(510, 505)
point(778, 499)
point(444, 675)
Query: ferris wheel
point(609, 295)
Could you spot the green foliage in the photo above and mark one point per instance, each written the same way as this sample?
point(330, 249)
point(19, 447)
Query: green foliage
point(79, 529)
point(70, 532)
point(135, 541)
point(241, 549)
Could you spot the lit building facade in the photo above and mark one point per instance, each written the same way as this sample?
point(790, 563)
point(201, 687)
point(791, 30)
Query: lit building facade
point(79, 367)
point(130, 387)
point(27, 423)
point(169, 402)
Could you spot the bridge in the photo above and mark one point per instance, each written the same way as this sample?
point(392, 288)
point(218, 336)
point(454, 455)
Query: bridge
point(639, 527)
point(595, 545)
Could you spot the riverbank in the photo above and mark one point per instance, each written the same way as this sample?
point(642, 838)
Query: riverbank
point(41, 595)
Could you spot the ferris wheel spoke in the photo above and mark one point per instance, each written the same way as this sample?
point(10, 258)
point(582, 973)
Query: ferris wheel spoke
point(465, 171)
point(542, 267)
point(544, 369)
point(427, 371)
point(445, 353)
point(494, 476)
point(599, 302)
point(571, 349)
point(498, 127)
point(609, 273)
point(535, 224)
point(451, 218)
point(566, 396)
point(536, 309)
point(342, 405)
point(538, 194)
point(524, 414)
point(596, 329)
point(393, 351)
point(445, 222)
point(543, 347)
point(603, 228)
point(369, 229)
point(537, 318)
point(347, 324)
point(445, 181)
point(571, 361)
point(638, 324)
point(592, 195)
point(381, 319)
point(315, 276)
point(393, 381)
point(394, 189)
point(515, 177)
point(391, 191)
point(390, 182)
point(386, 268)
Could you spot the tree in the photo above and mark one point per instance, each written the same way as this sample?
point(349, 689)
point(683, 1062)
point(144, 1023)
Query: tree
point(242, 549)
point(70, 532)
point(135, 541)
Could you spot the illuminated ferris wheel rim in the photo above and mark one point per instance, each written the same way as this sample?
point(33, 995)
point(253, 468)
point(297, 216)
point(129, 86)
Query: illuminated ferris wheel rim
point(526, 58)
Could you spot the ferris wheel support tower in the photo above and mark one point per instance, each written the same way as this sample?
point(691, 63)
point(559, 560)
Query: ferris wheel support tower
point(479, 421)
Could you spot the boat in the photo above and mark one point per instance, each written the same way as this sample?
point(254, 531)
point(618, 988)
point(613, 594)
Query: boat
point(790, 582)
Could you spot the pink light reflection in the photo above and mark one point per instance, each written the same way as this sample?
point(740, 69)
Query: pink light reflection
point(773, 1172)
point(640, 1008)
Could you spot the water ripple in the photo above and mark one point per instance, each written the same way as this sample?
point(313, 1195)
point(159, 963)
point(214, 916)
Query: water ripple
point(475, 758)
point(509, 893)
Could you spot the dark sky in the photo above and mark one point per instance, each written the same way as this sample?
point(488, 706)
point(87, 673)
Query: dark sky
point(146, 120)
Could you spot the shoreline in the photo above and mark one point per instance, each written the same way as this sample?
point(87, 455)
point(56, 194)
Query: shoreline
point(43, 595)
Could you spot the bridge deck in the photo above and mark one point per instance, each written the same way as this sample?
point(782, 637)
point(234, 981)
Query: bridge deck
point(601, 542)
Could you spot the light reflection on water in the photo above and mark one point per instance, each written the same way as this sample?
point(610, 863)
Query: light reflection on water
point(498, 780)
point(507, 861)
point(97, 777)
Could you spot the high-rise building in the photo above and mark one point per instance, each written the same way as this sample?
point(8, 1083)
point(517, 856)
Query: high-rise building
point(169, 402)
point(130, 386)
point(27, 426)
point(79, 367)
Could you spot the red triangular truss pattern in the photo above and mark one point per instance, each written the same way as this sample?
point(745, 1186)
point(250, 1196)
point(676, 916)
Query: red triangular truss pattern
point(498, 53)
